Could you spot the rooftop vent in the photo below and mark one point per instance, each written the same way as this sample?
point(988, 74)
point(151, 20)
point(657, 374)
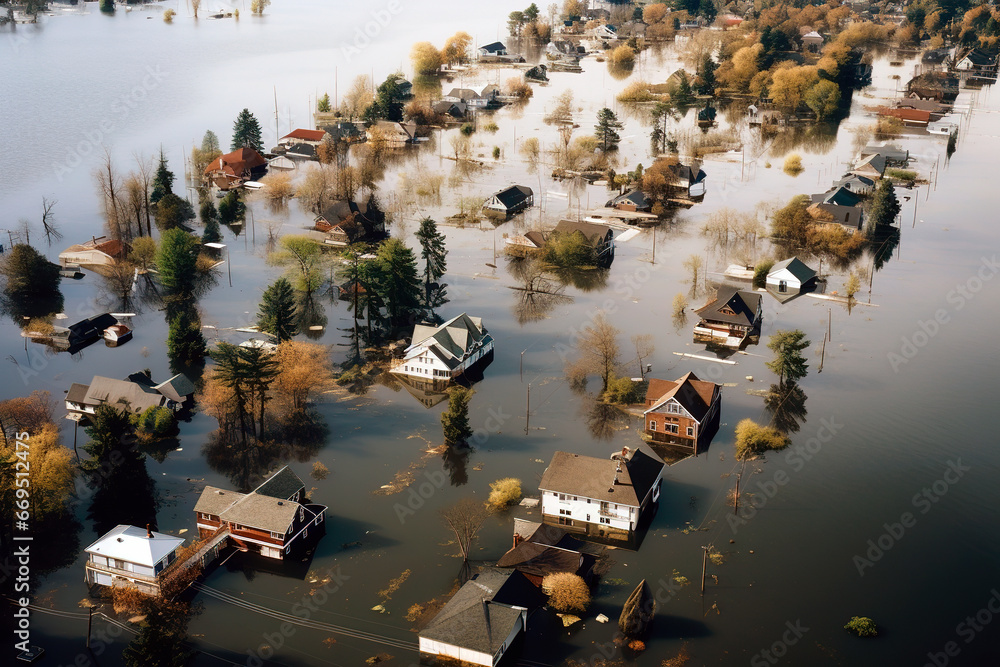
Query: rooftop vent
point(280, 503)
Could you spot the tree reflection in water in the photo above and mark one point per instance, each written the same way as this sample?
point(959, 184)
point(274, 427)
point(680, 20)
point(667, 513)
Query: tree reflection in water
point(604, 420)
point(456, 462)
point(787, 407)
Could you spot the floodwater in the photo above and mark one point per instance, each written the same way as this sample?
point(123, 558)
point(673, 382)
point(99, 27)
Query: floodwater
point(878, 433)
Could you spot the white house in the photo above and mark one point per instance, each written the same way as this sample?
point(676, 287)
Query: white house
point(605, 31)
point(302, 136)
point(98, 251)
point(492, 50)
point(467, 96)
point(438, 355)
point(600, 497)
point(789, 276)
point(127, 555)
point(481, 621)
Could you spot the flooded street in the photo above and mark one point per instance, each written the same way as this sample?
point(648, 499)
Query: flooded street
point(897, 421)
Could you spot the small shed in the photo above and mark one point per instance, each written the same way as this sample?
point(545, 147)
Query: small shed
point(790, 275)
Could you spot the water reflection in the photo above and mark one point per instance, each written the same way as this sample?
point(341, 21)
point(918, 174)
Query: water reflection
point(456, 462)
point(123, 494)
point(787, 406)
point(604, 420)
point(310, 317)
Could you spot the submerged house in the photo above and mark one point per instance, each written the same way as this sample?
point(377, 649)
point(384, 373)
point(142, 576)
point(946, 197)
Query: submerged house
point(346, 221)
point(439, 355)
point(138, 392)
point(302, 136)
point(510, 201)
point(934, 86)
point(492, 50)
point(396, 135)
point(601, 237)
point(850, 218)
point(634, 200)
point(858, 185)
point(271, 520)
point(481, 622)
point(729, 318)
point(233, 169)
point(690, 180)
point(604, 498)
point(541, 549)
point(681, 412)
point(468, 97)
point(98, 251)
point(790, 276)
point(131, 556)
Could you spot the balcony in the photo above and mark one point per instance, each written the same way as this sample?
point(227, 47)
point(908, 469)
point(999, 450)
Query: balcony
point(114, 571)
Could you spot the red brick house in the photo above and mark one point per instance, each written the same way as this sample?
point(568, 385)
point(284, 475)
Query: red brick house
point(271, 520)
point(681, 412)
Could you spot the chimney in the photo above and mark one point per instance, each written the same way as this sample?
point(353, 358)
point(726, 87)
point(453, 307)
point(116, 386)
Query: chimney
point(625, 451)
point(517, 539)
point(149, 533)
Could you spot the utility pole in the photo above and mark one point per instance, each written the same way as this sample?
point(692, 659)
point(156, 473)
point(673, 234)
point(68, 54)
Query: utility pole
point(90, 623)
point(527, 411)
point(229, 266)
point(521, 368)
point(704, 566)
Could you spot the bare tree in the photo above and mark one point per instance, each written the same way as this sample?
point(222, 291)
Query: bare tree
point(598, 348)
point(134, 205)
point(465, 518)
point(358, 97)
point(49, 226)
point(109, 187)
point(25, 230)
point(644, 349)
point(693, 264)
point(144, 170)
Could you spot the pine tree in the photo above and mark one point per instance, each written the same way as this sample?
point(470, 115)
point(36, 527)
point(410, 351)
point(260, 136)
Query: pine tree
point(434, 253)
point(276, 313)
point(884, 207)
point(323, 104)
point(706, 76)
point(163, 181)
point(607, 129)
point(398, 283)
point(788, 361)
point(185, 342)
point(455, 420)
point(175, 261)
point(683, 95)
point(247, 132)
point(110, 430)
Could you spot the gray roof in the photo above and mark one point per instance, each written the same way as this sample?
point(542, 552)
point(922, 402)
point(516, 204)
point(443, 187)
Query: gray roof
point(453, 340)
point(472, 620)
point(838, 195)
point(463, 94)
point(215, 501)
point(77, 393)
point(744, 304)
point(635, 196)
point(178, 388)
point(282, 484)
point(796, 267)
point(592, 477)
point(591, 231)
point(262, 512)
point(110, 390)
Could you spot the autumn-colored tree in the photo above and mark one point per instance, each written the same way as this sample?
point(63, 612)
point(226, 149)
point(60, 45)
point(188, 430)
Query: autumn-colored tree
point(456, 48)
point(426, 58)
point(598, 350)
point(567, 592)
point(302, 368)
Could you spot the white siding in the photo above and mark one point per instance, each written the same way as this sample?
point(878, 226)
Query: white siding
point(775, 278)
point(439, 648)
point(584, 510)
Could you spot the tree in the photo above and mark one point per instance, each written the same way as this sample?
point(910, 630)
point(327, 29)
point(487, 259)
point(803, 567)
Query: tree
point(208, 151)
point(247, 372)
point(456, 48)
point(884, 206)
point(388, 101)
point(753, 439)
point(358, 98)
point(567, 592)
point(504, 493)
point(323, 103)
point(637, 612)
point(852, 285)
point(788, 361)
point(398, 284)
point(693, 264)
point(706, 76)
point(662, 112)
point(163, 181)
point(210, 216)
point(426, 58)
point(276, 313)
point(110, 431)
point(455, 420)
point(607, 128)
point(247, 132)
point(258, 6)
point(434, 254)
point(302, 367)
point(598, 348)
point(185, 342)
point(143, 252)
point(173, 211)
point(465, 518)
point(28, 274)
point(791, 222)
point(682, 94)
point(644, 348)
point(50, 464)
point(175, 261)
point(569, 251)
point(306, 256)
point(823, 98)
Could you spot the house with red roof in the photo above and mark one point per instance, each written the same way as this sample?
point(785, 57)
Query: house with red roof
point(232, 169)
point(98, 251)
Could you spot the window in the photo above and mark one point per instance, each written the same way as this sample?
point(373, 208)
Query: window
point(566, 512)
point(673, 428)
point(652, 425)
point(302, 514)
point(782, 286)
point(277, 536)
point(565, 521)
point(673, 407)
point(690, 431)
point(605, 520)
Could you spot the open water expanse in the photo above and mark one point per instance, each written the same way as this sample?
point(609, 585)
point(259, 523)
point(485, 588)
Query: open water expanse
point(904, 396)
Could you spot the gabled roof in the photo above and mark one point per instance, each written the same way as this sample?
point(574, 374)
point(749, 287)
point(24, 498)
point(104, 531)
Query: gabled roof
point(301, 150)
point(282, 484)
point(451, 341)
point(876, 162)
point(692, 394)
point(305, 135)
point(744, 304)
point(463, 94)
point(263, 512)
point(237, 162)
point(852, 178)
point(540, 559)
point(634, 196)
point(92, 326)
point(110, 390)
point(796, 267)
point(178, 388)
point(593, 477)
point(131, 544)
point(979, 58)
point(474, 619)
point(215, 501)
point(514, 195)
point(840, 196)
point(493, 47)
point(110, 247)
point(593, 232)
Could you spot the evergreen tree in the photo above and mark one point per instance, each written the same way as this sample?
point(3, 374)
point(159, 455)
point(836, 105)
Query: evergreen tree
point(706, 76)
point(388, 102)
point(110, 431)
point(455, 420)
point(323, 103)
point(607, 129)
point(398, 284)
point(662, 112)
point(884, 206)
point(185, 342)
point(434, 253)
point(163, 181)
point(173, 211)
point(788, 361)
point(247, 132)
point(683, 95)
point(276, 313)
point(212, 232)
point(175, 261)
point(210, 143)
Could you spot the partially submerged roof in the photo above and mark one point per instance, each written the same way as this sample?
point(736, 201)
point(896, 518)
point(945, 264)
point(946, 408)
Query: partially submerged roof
point(131, 544)
point(282, 484)
point(514, 195)
point(453, 340)
point(138, 397)
point(235, 163)
point(472, 619)
point(305, 135)
point(263, 512)
point(796, 267)
point(178, 388)
point(732, 306)
point(838, 195)
point(493, 47)
point(591, 231)
point(594, 478)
